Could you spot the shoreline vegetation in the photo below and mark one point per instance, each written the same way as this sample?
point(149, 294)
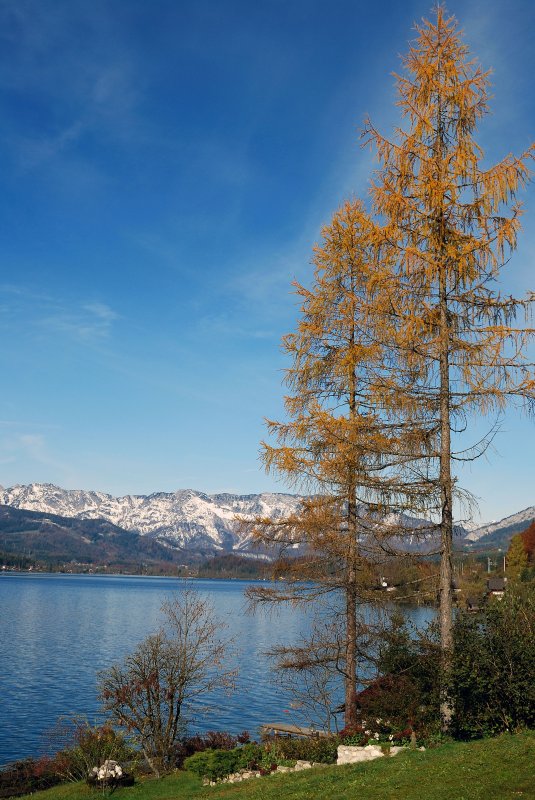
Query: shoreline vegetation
point(502, 767)
point(413, 583)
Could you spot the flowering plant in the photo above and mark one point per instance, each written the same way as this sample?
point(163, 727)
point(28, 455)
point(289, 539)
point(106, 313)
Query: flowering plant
point(377, 731)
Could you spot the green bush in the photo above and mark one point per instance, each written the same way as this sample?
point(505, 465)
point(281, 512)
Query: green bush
point(211, 740)
point(322, 750)
point(217, 764)
point(275, 752)
point(87, 746)
point(249, 756)
point(493, 674)
point(407, 691)
point(491, 684)
point(212, 764)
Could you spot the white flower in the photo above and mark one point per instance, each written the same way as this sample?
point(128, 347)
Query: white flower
point(391, 737)
point(378, 721)
point(375, 735)
point(367, 733)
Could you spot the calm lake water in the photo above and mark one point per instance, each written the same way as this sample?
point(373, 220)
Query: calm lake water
point(58, 631)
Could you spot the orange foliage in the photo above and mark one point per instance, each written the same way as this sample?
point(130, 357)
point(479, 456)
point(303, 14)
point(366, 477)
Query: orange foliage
point(401, 337)
point(528, 540)
point(446, 225)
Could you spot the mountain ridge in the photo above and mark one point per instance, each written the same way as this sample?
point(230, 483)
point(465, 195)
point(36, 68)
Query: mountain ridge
point(54, 539)
point(188, 519)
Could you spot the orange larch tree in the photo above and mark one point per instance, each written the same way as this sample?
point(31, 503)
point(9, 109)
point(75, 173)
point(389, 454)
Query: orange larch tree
point(448, 224)
point(336, 447)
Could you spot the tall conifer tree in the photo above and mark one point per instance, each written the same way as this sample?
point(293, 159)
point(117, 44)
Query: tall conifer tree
point(449, 225)
point(335, 445)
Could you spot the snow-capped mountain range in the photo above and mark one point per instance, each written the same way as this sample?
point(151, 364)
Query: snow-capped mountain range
point(186, 519)
point(518, 521)
point(189, 519)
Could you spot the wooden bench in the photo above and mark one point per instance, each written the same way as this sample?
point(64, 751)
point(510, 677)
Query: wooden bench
point(282, 729)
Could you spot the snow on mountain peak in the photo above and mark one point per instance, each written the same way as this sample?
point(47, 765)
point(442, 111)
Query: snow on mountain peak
point(527, 515)
point(188, 518)
point(185, 518)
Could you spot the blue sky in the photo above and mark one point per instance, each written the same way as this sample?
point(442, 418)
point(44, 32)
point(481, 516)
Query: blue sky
point(166, 168)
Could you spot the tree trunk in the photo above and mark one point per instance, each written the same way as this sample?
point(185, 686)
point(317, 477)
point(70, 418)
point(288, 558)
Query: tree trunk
point(350, 717)
point(152, 762)
point(446, 491)
point(445, 479)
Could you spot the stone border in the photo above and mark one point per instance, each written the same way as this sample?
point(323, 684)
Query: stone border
point(347, 754)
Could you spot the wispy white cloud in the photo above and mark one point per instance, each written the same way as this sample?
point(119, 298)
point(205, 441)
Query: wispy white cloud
point(33, 450)
point(34, 310)
point(73, 62)
point(102, 311)
point(88, 323)
point(37, 150)
point(13, 423)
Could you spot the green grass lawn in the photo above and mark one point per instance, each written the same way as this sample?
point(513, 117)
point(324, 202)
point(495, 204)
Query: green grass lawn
point(492, 769)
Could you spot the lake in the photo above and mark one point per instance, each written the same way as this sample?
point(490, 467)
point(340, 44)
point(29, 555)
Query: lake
point(58, 631)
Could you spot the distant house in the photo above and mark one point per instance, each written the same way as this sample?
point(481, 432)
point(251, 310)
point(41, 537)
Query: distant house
point(496, 587)
point(473, 604)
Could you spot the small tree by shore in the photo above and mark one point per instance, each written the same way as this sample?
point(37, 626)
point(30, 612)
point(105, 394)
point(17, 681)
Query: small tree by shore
point(152, 690)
